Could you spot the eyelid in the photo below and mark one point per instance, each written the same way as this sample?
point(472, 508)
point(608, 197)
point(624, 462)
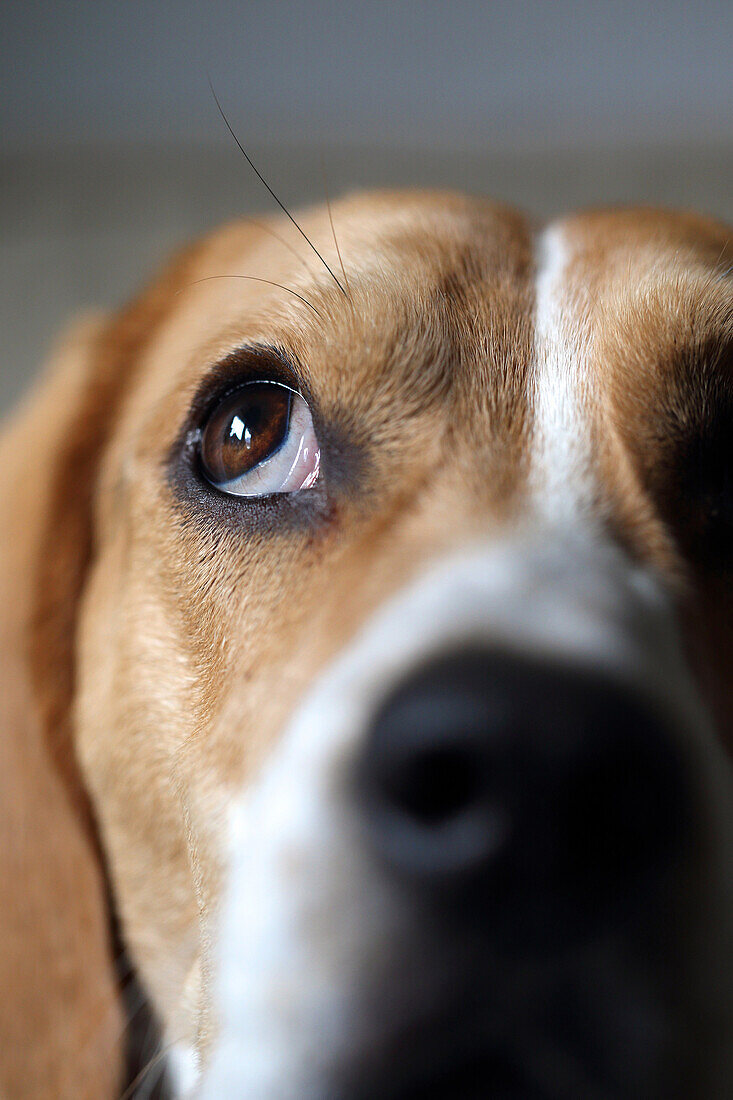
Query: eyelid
point(254, 363)
point(220, 396)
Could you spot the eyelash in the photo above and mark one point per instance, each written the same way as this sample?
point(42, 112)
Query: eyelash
point(253, 364)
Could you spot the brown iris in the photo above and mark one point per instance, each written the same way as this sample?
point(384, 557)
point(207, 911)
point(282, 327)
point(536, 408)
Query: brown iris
point(246, 428)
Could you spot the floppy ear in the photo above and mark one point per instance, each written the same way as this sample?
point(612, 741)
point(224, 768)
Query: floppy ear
point(61, 1022)
point(62, 1026)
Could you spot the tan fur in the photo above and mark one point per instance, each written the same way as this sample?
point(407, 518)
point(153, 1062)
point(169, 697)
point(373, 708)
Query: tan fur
point(60, 1021)
point(659, 301)
point(164, 650)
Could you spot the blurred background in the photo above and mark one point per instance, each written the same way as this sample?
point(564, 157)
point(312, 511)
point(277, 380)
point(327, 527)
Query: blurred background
point(113, 151)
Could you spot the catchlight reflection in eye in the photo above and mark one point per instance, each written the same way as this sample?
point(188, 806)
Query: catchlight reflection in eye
point(240, 430)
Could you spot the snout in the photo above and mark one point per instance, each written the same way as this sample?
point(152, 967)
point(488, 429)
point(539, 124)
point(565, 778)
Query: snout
point(528, 810)
point(541, 797)
point(486, 858)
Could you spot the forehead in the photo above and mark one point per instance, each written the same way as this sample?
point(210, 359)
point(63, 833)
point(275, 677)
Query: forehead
point(608, 244)
point(429, 283)
point(645, 291)
point(448, 301)
point(649, 298)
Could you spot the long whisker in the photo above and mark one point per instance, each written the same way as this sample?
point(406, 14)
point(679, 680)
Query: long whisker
point(333, 230)
point(721, 253)
point(149, 1065)
point(255, 279)
point(147, 1087)
point(262, 180)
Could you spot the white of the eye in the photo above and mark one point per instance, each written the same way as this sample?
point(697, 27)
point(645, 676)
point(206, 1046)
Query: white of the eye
point(295, 465)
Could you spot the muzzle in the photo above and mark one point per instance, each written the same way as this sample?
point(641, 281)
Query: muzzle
point(488, 857)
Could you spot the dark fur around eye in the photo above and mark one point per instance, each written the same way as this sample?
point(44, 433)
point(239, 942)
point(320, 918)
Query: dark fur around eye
point(344, 458)
point(688, 468)
point(702, 492)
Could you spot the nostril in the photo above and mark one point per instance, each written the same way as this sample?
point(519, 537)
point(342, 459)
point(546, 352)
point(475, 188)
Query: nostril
point(430, 807)
point(435, 785)
point(552, 793)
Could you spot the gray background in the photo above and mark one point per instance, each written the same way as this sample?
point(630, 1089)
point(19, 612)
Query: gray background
point(112, 150)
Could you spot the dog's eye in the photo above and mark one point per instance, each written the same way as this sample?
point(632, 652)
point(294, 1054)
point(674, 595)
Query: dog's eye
point(260, 440)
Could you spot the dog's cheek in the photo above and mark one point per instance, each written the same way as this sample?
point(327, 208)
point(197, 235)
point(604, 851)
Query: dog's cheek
point(125, 722)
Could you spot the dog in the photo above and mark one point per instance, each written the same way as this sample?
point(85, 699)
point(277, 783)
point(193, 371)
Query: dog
point(366, 667)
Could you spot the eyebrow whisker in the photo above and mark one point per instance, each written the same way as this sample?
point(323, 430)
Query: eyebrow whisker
point(279, 202)
point(333, 228)
point(256, 279)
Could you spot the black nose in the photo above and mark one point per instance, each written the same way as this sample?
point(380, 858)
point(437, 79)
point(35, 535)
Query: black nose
point(549, 791)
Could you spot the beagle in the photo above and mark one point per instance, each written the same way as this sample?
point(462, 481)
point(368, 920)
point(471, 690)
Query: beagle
point(367, 638)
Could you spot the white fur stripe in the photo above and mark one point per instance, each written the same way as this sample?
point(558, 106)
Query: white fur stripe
point(561, 459)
